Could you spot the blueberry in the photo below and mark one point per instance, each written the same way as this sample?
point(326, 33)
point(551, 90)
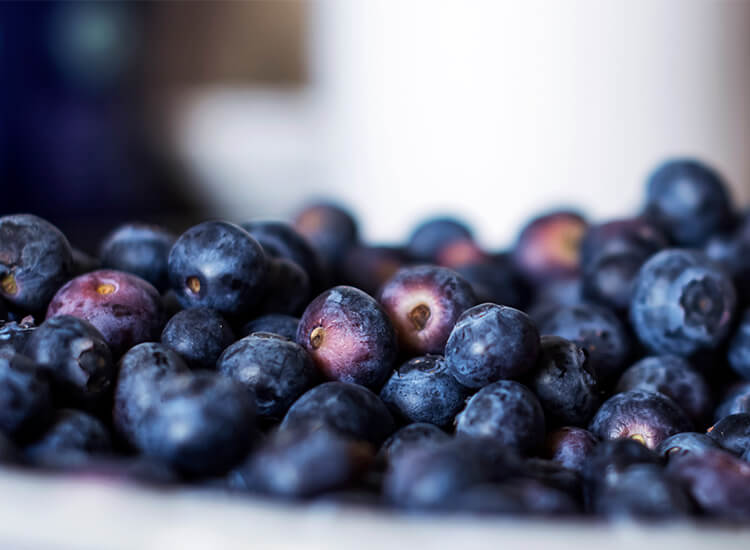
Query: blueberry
point(646, 417)
point(287, 288)
point(3, 310)
point(275, 370)
point(124, 308)
point(460, 252)
point(419, 435)
point(595, 329)
point(732, 252)
point(681, 303)
point(570, 447)
point(684, 443)
point(506, 412)
point(565, 383)
point(430, 236)
point(14, 335)
point(739, 347)
point(732, 433)
point(424, 302)
point(350, 409)
point(630, 235)
point(548, 247)
point(275, 323)
point(540, 499)
point(735, 400)
point(608, 279)
point(35, 261)
point(25, 397)
point(423, 390)
point(9, 453)
point(674, 377)
point(200, 423)
point(72, 438)
point(78, 359)
point(349, 337)
point(139, 249)
point(495, 281)
point(369, 267)
point(689, 199)
point(553, 296)
point(490, 343)
point(330, 229)
point(218, 265)
point(552, 474)
point(198, 335)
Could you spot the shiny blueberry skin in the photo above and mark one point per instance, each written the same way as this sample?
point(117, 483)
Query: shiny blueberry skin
point(689, 199)
point(735, 400)
point(506, 412)
point(199, 336)
point(369, 267)
point(202, 423)
point(350, 409)
point(565, 383)
point(424, 302)
point(126, 309)
point(14, 335)
point(349, 337)
point(142, 369)
point(424, 390)
point(674, 377)
point(739, 347)
point(595, 329)
point(419, 435)
point(430, 236)
point(275, 370)
point(490, 343)
point(25, 397)
point(287, 289)
point(35, 261)
point(570, 447)
point(139, 249)
point(72, 437)
point(684, 443)
point(681, 303)
point(330, 229)
point(732, 433)
point(646, 417)
point(218, 265)
point(78, 359)
point(275, 323)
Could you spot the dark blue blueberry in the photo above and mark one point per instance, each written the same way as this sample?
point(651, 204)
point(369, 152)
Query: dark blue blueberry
point(506, 412)
point(200, 423)
point(73, 437)
point(139, 249)
point(630, 235)
point(423, 390)
point(35, 261)
point(198, 335)
point(674, 377)
point(565, 383)
point(735, 400)
point(689, 200)
point(646, 417)
point(684, 443)
point(218, 265)
point(540, 499)
point(430, 236)
point(486, 500)
point(124, 308)
point(349, 337)
point(496, 281)
point(424, 302)
point(78, 359)
point(419, 435)
point(287, 289)
point(732, 252)
point(25, 397)
point(608, 279)
point(276, 371)
point(14, 335)
point(681, 303)
point(552, 474)
point(732, 433)
point(369, 267)
point(570, 447)
point(350, 409)
point(595, 329)
point(490, 343)
point(142, 369)
point(275, 323)
point(739, 347)
point(9, 453)
point(552, 296)
point(83, 263)
point(3, 311)
point(330, 229)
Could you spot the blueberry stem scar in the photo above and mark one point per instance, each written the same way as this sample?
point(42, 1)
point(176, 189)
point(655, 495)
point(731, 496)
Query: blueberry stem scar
point(316, 337)
point(194, 284)
point(419, 316)
point(105, 288)
point(8, 284)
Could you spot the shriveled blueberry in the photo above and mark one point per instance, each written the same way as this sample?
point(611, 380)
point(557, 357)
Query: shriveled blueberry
point(14, 334)
point(430, 236)
point(735, 400)
point(218, 265)
point(330, 229)
point(732, 433)
point(275, 323)
point(419, 435)
point(140, 249)
point(198, 335)
point(565, 383)
point(73, 437)
point(287, 289)
point(25, 397)
point(369, 267)
point(646, 417)
point(78, 359)
point(491, 342)
point(674, 377)
point(684, 443)
point(423, 390)
point(424, 302)
point(349, 337)
point(124, 308)
point(595, 329)
point(739, 347)
point(350, 409)
point(570, 447)
point(681, 303)
point(35, 261)
point(506, 412)
point(275, 370)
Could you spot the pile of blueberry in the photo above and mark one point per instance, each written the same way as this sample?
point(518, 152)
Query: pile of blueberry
point(599, 369)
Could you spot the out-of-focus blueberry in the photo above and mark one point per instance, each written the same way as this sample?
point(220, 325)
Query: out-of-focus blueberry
point(275, 323)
